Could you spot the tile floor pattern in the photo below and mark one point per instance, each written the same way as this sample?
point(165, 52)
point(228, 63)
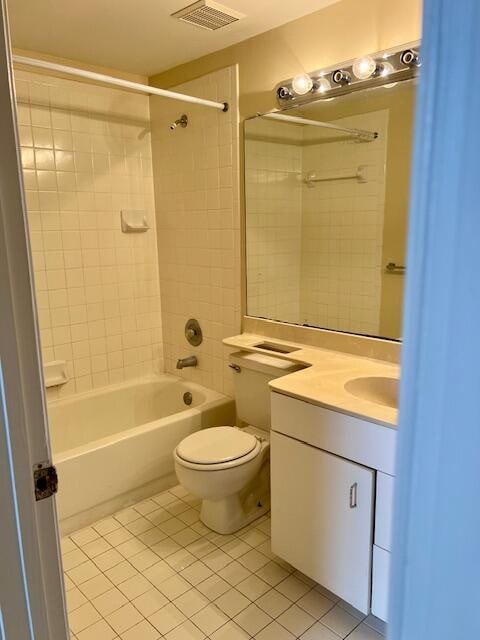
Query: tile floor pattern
point(154, 571)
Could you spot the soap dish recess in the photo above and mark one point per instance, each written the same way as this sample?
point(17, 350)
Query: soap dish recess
point(276, 348)
point(133, 221)
point(55, 373)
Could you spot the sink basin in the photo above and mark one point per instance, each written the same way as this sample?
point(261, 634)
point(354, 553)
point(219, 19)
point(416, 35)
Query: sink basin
point(378, 389)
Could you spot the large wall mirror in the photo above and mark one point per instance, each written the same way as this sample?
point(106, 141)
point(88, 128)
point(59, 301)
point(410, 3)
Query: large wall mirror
point(326, 211)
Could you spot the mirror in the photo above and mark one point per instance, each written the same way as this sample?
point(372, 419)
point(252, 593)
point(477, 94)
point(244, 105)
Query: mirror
point(326, 211)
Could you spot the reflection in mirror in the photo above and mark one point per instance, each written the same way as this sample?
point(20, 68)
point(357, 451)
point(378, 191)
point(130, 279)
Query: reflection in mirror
point(326, 211)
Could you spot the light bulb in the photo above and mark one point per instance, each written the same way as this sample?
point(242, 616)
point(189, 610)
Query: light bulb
point(302, 84)
point(323, 85)
point(386, 69)
point(363, 68)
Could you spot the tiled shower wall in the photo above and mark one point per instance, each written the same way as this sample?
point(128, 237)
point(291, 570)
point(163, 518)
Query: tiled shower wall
point(198, 221)
point(274, 218)
point(314, 252)
point(342, 228)
point(86, 155)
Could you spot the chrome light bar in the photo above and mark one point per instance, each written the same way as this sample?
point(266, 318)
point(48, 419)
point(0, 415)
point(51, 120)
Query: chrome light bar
point(382, 68)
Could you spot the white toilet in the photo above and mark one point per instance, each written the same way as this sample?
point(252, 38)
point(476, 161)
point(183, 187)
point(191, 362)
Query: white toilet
point(229, 467)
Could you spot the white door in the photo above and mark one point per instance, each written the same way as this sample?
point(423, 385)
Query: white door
point(31, 586)
point(322, 517)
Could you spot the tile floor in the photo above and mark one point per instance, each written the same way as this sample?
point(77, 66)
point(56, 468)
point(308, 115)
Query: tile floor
point(154, 571)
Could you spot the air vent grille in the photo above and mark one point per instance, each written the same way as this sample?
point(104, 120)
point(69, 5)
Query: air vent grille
point(208, 15)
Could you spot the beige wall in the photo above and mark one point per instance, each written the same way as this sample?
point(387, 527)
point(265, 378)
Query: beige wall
point(340, 32)
point(97, 354)
point(343, 31)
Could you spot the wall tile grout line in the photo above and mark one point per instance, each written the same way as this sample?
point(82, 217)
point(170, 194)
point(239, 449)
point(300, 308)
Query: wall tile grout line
point(86, 154)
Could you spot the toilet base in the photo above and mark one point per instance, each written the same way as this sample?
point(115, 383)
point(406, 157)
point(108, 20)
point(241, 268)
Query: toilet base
point(230, 514)
point(232, 497)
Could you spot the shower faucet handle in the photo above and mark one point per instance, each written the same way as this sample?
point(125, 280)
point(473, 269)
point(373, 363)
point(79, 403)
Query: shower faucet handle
point(193, 332)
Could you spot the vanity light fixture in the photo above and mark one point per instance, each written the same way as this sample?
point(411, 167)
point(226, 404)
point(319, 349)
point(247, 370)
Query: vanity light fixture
point(384, 68)
point(302, 84)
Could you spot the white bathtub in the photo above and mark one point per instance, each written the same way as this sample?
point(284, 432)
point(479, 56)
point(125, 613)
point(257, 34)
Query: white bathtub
point(114, 445)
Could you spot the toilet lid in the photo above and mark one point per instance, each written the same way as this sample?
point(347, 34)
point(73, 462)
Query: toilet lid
point(217, 444)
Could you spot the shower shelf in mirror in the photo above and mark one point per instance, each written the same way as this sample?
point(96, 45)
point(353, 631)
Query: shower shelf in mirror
point(359, 175)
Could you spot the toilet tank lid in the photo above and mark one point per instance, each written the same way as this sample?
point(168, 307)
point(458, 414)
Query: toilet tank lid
point(216, 444)
point(271, 365)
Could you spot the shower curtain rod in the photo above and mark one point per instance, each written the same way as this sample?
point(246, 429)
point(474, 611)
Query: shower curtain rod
point(118, 82)
point(362, 134)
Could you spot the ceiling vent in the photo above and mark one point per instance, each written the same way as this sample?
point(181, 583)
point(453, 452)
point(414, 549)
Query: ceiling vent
point(208, 15)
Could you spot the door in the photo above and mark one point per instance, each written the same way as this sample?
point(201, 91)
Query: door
point(322, 517)
point(31, 587)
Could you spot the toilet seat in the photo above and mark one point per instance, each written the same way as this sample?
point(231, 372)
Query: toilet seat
point(217, 448)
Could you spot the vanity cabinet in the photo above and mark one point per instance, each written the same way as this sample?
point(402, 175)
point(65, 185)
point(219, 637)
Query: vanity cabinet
point(322, 517)
point(332, 495)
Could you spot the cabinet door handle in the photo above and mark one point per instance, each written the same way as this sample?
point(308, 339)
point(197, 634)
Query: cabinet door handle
point(353, 495)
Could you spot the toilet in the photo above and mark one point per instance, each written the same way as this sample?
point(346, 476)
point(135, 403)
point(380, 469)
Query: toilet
point(229, 467)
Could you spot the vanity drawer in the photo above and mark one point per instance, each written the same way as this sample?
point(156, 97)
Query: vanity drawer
point(368, 443)
point(384, 511)
point(380, 582)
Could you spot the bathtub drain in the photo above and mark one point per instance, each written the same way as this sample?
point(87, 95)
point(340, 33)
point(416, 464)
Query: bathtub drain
point(187, 398)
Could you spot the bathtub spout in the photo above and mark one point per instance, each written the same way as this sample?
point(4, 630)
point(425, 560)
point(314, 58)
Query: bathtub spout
point(191, 361)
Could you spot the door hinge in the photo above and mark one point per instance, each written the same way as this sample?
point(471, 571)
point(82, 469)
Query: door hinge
point(45, 480)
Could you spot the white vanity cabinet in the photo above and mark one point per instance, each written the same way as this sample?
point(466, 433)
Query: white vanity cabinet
point(322, 514)
point(332, 493)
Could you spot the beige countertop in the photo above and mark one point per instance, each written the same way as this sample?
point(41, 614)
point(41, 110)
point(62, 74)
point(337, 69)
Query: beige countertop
point(322, 381)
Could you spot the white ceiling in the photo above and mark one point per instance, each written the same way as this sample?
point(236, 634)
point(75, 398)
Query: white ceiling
point(139, 36)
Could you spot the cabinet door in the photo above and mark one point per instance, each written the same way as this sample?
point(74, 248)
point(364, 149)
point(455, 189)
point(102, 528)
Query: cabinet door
point(322, 511)
point(380, 582)
point(384, 511)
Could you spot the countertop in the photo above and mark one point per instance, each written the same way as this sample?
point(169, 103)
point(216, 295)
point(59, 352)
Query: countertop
point(322, 381)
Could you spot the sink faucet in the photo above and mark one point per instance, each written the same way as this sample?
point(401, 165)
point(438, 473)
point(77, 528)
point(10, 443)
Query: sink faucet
point(191, 361)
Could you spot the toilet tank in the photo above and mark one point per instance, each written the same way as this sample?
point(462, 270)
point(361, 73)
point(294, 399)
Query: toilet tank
point(252, 393)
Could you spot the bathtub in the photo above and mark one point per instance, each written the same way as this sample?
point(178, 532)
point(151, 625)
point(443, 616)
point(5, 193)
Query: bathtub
point(114, 446)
